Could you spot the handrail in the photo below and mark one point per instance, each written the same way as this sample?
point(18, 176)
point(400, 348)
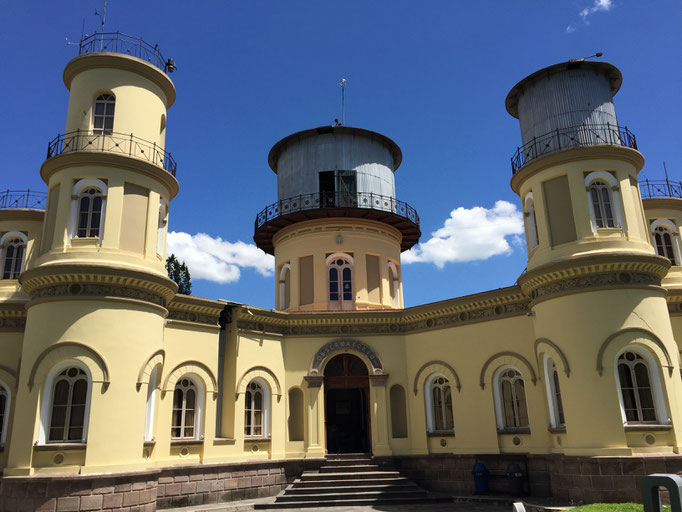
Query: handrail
point(660, 188)
point(112, 142)
point(571, 137)
point(26, 199)
point(117, 42)
point(362, 200)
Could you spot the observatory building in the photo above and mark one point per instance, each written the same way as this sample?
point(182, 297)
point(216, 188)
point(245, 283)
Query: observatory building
point(117, 392)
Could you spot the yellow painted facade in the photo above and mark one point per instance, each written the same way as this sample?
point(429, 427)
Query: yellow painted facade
point(99, 301)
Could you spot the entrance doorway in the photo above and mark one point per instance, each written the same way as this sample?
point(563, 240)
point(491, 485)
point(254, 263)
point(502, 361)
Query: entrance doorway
point(346, 414)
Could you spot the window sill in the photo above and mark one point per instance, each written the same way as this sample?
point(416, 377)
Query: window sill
point(254, 439)
point(441, 433)
point(609, 231)
point(59, 446)
point(561, 429)
point(224, 440)
point(186, 442)
point(513, 430)
point(91, 241)
point(645, 427)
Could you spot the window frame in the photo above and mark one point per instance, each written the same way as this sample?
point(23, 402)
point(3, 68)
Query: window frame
point(4, 245)
point(556, 409)
point(656, 386)
point(265, 411)
point(150, 405)
point(48, 396)
point(431, 422)
point(283, 290)
point(199, 407)
point(340, 304)
point(613, 189)
point(78, 190)
point(105, 101)
point(531, 224)
point(499, 402)
point(671, 228)
point(394, 283)
point(4, 424)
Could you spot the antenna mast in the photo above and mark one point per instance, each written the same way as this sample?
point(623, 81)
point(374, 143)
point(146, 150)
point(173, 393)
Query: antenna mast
point(342, 83)
point(103, 19)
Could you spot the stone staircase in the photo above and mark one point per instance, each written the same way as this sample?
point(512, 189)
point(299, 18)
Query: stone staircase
point(349, 480)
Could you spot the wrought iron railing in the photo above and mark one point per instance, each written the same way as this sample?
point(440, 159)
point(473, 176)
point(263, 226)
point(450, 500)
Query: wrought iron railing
point(123, 43)
point(363, 200)
point(28, 199)
point(660, 188)
point(112, 142)
point(572, 137)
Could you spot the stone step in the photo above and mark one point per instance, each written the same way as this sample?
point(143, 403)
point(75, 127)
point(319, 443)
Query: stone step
point(349, 462)
point(351, 482)
point(383, 488)
point(348, 455)
point(419, 500)
point(310, 475)
point(337, 496)
point(334, 468)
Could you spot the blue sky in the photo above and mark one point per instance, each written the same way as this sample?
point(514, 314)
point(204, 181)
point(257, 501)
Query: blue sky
point(431, 75)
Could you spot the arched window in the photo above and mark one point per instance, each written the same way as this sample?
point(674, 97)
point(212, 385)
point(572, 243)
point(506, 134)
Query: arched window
point(187, 408)
point(69, 405)
point(13, 246)
point(285, 286)
point(664, 238)
point(4, 412)
point(87, 209)
point(604, 200)
point(394, 285)
point(636, 388)
point(556, 407)
point(161, 230)
point(438, 396)
point(151, 399)
point(510, 399)
point(256, 409)
point(340, 271)
point(531, 221)
point(103, 118)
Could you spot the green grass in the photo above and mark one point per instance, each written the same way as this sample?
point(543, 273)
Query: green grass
point(614, 507)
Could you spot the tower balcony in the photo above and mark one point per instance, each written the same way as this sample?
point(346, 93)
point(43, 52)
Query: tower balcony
point(364, 205)
point(115, 42)
point(22, 199)
point(572, 137)
point(126, 144)
point(651, 189)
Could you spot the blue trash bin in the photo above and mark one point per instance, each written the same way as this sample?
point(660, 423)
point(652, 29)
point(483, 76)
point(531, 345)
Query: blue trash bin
point(480, 473)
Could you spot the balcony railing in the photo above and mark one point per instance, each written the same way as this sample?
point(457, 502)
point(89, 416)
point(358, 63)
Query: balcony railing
point(112, 142)
point(572, 137)
point(123, 43)
point(360, 200)
point(660, 188)
point(27, 199)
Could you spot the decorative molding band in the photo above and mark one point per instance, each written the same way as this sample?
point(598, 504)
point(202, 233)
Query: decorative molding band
point(338, 346)
point(192, 317)
point(508, 353)
point(12, 323)
point(195, 310)
point(650, 336)
point(97, 290)
point(415, 385)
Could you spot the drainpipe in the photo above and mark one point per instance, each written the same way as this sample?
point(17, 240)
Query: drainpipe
point(224, 320)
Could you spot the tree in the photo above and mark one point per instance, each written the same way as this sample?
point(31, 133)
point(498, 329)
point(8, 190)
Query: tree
point(179, 273)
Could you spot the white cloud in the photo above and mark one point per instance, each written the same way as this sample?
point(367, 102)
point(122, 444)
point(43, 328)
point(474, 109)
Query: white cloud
point(216, 260)
point(570, 29)
point(471, 234)
point(599, 5)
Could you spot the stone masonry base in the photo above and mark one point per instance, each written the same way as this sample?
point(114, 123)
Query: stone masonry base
point(575, 479)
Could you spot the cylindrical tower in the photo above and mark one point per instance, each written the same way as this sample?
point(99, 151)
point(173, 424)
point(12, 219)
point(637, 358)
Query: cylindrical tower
point(337, 230)
point(594, 279)
point(98, 288)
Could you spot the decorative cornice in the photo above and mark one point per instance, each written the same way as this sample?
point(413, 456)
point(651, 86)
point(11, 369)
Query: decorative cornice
point(194, 310)
point(12, 317)
point(59, 281)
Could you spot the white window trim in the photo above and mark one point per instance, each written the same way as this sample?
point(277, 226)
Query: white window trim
point(199, 411)
point(674, 233)
point(161, 230)
point(554, 422)
point(497, 396)
point(428, 400)
point(92, 120)
point(656, 386)
point(530, 214)
point(151, 405)
point(3, 240)
point(615, 197)
point(5, 420)
point(267, 393)
point(282, 285)
point(46, 401)
point(328, 262)
point(394, 282)
point(75, 203)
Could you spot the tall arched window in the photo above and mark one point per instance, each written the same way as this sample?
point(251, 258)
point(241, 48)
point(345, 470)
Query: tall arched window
point(340, 272)
point(601, 203)
point(438, 397)
point(604, 200)
point(103, 118)
point(69, 403)
point(394, 284)
point(636, 388)
point(149, 410)
point(556, 406)
point(285, 286)
point(510, 399)
point(531, 221)
point(161, 229)
point(186, 409)
point(4, 412)
point(256, 409)
point(88, 208)
point(664, 238)
point(13, 247)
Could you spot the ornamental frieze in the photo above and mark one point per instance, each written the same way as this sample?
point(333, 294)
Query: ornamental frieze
point(12, 323)
point(597, 280)
point(97, 290)
point(193, 317)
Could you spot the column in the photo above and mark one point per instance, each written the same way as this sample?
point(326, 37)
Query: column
point(316, 444)
point(379, 415)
